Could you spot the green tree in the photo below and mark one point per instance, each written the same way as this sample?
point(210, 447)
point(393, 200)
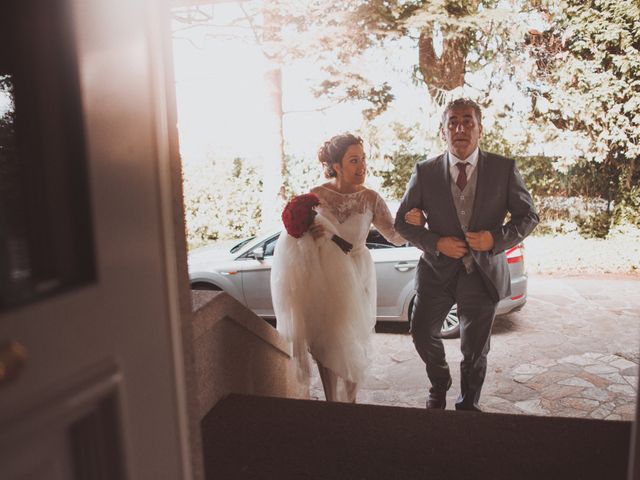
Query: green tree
point(300, 176)
point(453, 38)
point(399, 163)
point(587, 80)
point(222, 200)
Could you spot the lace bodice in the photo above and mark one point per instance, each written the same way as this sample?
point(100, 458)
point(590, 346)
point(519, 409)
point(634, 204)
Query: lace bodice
point(353, 213)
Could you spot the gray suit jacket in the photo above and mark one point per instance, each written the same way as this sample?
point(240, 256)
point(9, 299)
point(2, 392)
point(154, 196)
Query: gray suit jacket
point(499, 190)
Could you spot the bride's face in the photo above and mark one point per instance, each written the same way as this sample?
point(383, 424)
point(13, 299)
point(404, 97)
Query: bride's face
point(353, 167)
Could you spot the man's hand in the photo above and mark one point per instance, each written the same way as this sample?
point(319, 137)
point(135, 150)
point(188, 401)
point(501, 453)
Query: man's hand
point(452, 247)
point(415, 217)
point(316, 230)
point(480, 241)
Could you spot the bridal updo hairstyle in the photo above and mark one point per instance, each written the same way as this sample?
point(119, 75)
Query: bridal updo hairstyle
point(332, 151)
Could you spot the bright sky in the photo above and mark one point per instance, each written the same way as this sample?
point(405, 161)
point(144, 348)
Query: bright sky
point(222, 96)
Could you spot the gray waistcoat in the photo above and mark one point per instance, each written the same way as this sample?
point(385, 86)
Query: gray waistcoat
point(464, 207)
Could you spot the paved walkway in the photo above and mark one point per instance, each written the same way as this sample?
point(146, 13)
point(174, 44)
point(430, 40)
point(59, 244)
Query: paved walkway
point(573, 350)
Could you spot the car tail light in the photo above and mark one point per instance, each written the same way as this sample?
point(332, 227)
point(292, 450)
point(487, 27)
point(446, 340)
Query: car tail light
point(515, 254)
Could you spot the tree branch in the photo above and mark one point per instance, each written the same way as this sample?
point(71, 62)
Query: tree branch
point(249, 19)
point(190, 41)
point(312, 110)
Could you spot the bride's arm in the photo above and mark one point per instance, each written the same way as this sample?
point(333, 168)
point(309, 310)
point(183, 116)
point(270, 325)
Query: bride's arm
point(383, 221)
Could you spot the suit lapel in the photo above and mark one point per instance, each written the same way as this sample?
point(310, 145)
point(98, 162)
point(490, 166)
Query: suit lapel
point(480, 189)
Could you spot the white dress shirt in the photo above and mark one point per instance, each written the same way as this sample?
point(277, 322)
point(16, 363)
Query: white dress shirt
point(471, 160)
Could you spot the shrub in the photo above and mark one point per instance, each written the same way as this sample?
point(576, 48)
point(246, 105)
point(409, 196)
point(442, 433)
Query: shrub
point(222, 200)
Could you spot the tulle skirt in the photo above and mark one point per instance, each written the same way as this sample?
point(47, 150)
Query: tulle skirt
point(325, 302)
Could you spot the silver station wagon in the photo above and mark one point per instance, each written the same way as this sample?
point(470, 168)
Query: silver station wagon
point(243, 271)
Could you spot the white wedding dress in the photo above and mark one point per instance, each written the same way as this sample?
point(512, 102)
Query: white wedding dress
point(324, 299)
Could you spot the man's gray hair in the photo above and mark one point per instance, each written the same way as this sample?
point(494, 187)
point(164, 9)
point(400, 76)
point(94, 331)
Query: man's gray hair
point(462, 102)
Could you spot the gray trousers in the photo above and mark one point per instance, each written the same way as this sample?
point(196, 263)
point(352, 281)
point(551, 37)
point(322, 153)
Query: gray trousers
point(476, 311)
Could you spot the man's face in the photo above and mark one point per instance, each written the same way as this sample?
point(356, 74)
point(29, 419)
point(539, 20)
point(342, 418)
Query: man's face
point(462, 131)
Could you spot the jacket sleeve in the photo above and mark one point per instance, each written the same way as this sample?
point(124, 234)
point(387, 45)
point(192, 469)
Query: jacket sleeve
point(421, 237)
point(523, 215)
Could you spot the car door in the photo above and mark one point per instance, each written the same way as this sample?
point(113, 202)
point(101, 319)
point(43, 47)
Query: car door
point(256, 277)
point(395, 270)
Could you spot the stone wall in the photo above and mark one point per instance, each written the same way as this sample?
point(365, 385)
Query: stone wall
point(235, 351)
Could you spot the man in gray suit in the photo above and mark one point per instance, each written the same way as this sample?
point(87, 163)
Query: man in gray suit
point(465, 195)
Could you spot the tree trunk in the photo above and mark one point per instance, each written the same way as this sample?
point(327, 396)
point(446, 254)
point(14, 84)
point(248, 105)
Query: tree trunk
point(273, 79)
point(446, 72)
point(273, 155)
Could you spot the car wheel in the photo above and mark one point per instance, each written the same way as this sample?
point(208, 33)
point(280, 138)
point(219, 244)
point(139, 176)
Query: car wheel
point(451, 325)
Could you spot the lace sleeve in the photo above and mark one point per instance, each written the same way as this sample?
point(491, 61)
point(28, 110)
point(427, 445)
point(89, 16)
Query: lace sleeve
point(383, 221)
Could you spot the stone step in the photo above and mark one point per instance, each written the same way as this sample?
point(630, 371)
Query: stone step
point(251, 437)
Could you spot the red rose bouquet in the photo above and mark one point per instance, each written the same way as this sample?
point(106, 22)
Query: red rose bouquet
point(298, 216)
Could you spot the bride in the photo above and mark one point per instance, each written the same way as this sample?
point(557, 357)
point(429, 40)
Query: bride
point(325, 299)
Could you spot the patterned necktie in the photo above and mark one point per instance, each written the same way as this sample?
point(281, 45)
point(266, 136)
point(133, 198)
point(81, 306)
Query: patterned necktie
point(462, 175)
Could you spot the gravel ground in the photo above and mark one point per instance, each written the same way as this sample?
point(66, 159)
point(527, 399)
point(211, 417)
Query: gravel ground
point(571, 254)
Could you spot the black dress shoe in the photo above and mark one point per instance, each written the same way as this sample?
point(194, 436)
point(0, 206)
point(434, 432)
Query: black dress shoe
point(437, 398)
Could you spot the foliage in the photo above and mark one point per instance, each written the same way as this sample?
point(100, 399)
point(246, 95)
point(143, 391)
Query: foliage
point(627, 209)
point(399, 156)
point(569, 194)
point(300, 176)
point(222, 200)
point(581, 75)
point(338, 36)
point(594, 81)
point(595, 226)
point(586, 79)
point(592, 86)
point(10, 187)
point(561, 198)
point(397, 175)
point(538, 172)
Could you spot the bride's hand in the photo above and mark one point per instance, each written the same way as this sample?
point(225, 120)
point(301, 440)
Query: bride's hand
point(415, 217)
point(316, 230)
